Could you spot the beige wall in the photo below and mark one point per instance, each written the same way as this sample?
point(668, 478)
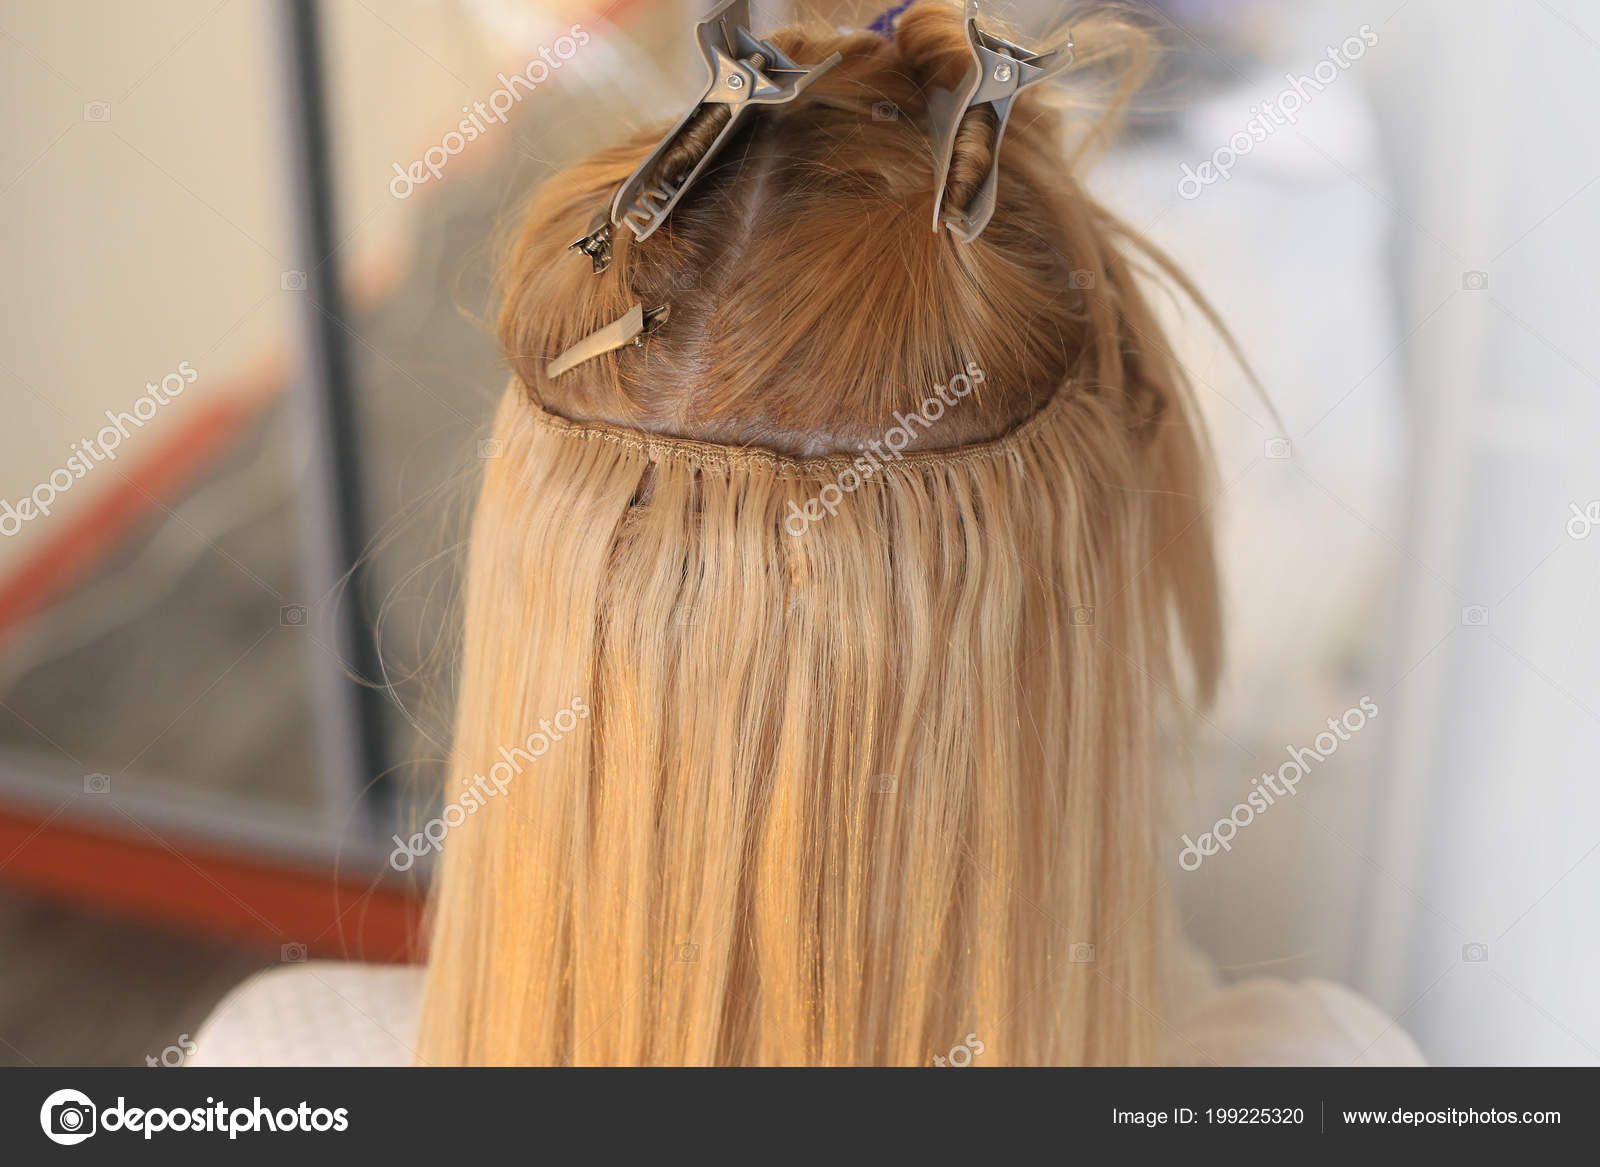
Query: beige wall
point(154, 234)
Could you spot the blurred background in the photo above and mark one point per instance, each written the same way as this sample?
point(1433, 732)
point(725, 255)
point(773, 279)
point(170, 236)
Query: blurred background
point(248, 371)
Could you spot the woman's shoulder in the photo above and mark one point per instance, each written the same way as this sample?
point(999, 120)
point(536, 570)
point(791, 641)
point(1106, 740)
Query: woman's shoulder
point(329, 1013)
point(1270, 1022)
point(321, 1013)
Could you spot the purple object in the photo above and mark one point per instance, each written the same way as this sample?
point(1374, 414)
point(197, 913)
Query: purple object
point(884, 24)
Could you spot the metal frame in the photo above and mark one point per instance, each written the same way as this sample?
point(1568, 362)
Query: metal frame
point(350, 720)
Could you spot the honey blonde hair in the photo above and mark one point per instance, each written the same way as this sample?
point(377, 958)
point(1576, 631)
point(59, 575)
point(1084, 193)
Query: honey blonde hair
point(845, 791)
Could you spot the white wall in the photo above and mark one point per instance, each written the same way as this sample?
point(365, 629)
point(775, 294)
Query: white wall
point(1490, 831)
point(1441, 434)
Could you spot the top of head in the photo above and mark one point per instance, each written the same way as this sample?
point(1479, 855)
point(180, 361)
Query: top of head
point(810, 300)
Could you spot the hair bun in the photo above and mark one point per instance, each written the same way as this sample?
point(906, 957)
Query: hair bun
point(932, 41)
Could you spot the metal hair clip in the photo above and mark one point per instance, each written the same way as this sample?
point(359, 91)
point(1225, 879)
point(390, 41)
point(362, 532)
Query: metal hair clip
point(597, 243)
point(742, 73)
point(1000, 70)
point(632, 328)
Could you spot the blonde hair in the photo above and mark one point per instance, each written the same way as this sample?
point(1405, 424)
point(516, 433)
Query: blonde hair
point(848, 792)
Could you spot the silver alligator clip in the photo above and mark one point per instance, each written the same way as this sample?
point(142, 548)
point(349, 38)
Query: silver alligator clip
point(743, 72)
point(597, 243)
point(1000, 70)
point(631, 327)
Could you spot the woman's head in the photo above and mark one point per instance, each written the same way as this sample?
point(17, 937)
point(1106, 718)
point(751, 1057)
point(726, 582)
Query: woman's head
point(850, 787)
point(811, 299)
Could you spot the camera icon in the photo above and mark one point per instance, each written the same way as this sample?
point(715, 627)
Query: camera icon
point(1474, 281)
point(292, 616)
point(885, 784)
point(1475, 953)
point(293, 281)
point(294, 953)
point(885, 111)
point(490, 447)
point(1082, 615)
point(97, 111)
point(97, 784)
point(686, 953)
point(686, 280)
point(1475, 616)
point(1080, 279)
point(1277, 449)
point(1081, 954)
point(67, 1117)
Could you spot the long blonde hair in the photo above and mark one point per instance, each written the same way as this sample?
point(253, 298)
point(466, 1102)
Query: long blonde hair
point(803, 730)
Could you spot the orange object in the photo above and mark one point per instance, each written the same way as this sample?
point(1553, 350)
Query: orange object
point(294, 913)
